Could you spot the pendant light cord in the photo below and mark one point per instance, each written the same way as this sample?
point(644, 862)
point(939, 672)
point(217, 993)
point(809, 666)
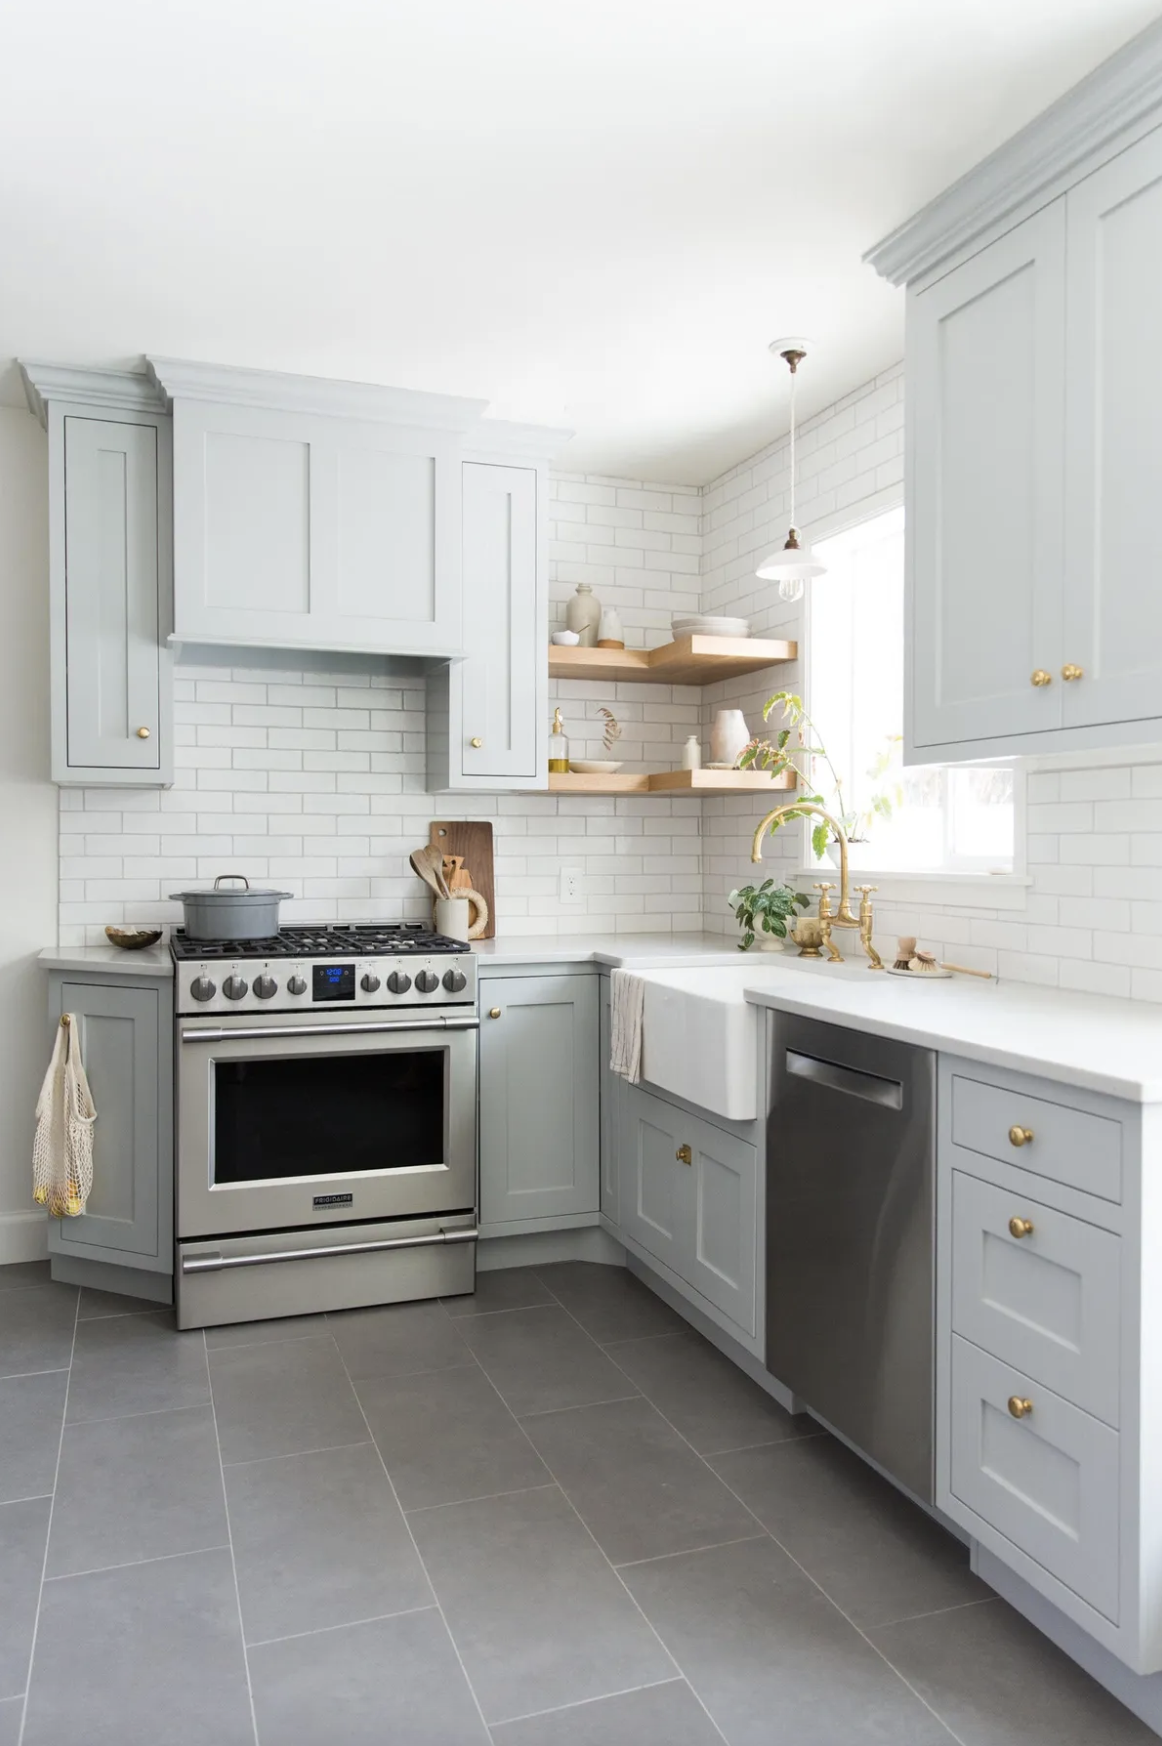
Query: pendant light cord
point(794, 380)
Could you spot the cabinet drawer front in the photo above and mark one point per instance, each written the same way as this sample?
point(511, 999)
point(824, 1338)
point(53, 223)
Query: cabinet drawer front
point(1048, 1299)
point(1070, 1145)
point(1048, 1481)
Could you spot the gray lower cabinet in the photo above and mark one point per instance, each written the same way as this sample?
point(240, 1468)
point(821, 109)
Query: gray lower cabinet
point(539, 1095)
point(612, 1085)
point(126, 1035)
point(689, 1198)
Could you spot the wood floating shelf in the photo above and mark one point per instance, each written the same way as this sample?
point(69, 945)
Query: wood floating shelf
point(697, 782)
point(688, 661)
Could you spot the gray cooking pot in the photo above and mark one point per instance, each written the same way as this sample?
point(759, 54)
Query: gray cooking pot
point(249, 914)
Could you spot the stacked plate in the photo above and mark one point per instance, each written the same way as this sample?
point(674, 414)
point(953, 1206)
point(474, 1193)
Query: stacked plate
point(699, 626)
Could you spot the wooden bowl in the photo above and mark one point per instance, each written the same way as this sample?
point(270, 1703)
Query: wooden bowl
point(133, 939)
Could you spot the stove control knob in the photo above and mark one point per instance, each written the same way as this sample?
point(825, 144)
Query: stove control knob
point(399, 982)
point(202, 988)
point(265, 987)
point(455, 981)
point(296, 985)
point(427, 982)
point(369, 982)
point(234, 987)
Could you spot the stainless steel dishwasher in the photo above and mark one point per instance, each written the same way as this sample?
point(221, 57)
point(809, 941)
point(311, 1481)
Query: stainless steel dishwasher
point(850, 1238)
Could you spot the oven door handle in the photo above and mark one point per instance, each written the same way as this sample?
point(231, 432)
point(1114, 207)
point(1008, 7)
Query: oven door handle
point(218, 1263)
point(261, 1033)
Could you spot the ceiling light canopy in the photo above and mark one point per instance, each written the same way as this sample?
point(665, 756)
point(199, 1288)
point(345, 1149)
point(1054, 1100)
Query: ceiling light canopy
point(792, 564)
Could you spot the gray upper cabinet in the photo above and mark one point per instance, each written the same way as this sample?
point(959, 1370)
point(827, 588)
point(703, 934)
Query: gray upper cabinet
point(538, 1100)
point(1034, 354)
point(126, 1043)
point(986, 401)
point(487, 725)
point(110, 550)
point(315, 514)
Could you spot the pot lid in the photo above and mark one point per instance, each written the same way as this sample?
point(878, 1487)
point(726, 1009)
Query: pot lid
point(215, 892)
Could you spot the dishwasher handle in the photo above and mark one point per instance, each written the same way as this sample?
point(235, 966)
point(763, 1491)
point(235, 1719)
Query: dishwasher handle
point(888, 1093)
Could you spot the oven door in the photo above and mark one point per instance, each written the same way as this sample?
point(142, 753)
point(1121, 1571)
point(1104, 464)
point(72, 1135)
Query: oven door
point(311, 1120)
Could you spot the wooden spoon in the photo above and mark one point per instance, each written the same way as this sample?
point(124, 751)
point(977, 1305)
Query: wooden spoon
point(434, 860)
point(421, 866)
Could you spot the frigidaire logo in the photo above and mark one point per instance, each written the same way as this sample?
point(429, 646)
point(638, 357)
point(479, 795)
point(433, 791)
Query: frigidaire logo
point(333, 1200)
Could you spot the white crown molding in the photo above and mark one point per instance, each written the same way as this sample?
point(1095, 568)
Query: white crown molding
point(533, 442)
point(1122, 92)
point(121, 388)
point(274, 391)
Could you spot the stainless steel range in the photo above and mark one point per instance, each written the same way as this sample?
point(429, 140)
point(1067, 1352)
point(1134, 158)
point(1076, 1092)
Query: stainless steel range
point(326, 1121)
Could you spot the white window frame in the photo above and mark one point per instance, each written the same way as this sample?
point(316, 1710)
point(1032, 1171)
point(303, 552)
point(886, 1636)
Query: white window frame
point(1009, 888)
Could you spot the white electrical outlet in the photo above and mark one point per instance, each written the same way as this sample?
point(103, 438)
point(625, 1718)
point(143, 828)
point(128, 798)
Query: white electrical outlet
point(569, 887)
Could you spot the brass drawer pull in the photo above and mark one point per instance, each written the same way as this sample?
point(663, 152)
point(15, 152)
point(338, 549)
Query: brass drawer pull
point(494, 1012)
point(1041, 677)
point(1020, 1227)
point(1019, 1408)
point(143, 733)
point(476, 744)
point(1020, 1136)
point(684, 1155)
point(1069, 672)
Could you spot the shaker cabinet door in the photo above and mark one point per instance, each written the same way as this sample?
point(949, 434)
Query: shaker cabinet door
point(539, 1098)
point(300, 530)
point(1113, 545)
point(503, 623)
point(125, 1037)
point(110, 715)
point(986, 411)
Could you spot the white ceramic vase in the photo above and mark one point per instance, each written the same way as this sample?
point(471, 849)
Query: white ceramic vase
point(769, 942)
point(583, 615)
point(728, 737)
point(692, 753)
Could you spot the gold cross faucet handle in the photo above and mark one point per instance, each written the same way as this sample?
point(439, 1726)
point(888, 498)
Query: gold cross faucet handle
point(825, 909)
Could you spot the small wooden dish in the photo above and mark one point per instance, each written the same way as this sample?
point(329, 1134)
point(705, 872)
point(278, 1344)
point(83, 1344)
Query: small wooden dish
point(133, 939)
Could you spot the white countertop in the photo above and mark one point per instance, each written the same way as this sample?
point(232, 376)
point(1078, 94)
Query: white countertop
point(150, 961)
point(1096, 1041)
point(669, 951)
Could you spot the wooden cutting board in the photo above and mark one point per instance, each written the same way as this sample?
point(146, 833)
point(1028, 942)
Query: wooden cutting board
point(473, 841)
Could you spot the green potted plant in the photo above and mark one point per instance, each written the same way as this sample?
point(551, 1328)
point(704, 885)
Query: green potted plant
point(764, 910)
point(798, 747)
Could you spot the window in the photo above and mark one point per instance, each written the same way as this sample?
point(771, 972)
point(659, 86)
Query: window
point(931, 819)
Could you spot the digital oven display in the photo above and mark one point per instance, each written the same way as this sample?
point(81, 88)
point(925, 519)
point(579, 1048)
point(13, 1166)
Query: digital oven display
point(334, 981)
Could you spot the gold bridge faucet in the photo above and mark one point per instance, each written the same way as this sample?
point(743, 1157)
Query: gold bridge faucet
point(842, 918)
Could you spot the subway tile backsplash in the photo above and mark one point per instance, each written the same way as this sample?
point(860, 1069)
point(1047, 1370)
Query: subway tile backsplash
point(313, 781)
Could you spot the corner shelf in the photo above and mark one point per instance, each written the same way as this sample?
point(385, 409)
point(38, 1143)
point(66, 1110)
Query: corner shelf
point(693, 782)
point(687, 661)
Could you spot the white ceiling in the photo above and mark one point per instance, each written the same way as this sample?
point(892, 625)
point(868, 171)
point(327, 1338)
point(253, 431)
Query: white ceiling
point(592, 212)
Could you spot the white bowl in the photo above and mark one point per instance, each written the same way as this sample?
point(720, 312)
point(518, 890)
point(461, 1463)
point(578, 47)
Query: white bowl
point(595, 766)
point(565, 639)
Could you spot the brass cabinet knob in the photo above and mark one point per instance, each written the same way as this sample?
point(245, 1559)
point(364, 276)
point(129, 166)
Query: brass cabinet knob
point(143, 733)
point(684, 1155)
point(1041, 677)
point(1069, 672)
point(1020, 1136)
point(1020, 1227)
point(1019, 1408)
point(476, 744)
point(494, 1012)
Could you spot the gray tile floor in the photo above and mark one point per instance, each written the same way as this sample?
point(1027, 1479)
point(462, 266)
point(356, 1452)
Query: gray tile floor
point(548, 1515)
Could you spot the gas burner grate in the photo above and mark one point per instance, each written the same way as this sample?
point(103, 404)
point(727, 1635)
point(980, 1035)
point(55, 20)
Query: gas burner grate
point(326, 940)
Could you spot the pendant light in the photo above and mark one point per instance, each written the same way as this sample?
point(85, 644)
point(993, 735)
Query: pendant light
point(792, 564)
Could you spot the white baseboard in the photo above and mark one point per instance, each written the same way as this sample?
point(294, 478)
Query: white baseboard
point(23, 1237)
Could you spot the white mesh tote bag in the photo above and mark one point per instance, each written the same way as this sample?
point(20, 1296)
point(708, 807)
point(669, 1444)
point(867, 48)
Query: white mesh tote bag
point(62, 1151)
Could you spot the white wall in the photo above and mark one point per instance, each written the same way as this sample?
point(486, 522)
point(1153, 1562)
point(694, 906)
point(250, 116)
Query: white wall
point(28, 819)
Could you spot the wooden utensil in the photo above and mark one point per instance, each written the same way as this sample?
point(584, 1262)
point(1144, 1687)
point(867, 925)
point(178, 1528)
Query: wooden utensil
point(470, 842)
point(430, 870)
